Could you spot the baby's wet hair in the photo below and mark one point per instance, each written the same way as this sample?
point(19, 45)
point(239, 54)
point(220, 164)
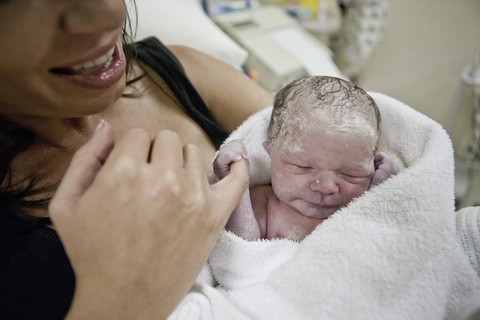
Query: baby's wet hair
point(342, 103)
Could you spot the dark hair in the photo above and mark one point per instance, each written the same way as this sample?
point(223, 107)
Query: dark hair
point(16, 198)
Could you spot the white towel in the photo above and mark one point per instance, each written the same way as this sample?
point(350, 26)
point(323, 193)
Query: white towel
point(390, 254)
point(468, 232)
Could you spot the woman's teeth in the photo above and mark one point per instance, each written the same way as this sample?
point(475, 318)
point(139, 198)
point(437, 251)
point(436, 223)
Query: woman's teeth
point(94, 66)
point(100, 61)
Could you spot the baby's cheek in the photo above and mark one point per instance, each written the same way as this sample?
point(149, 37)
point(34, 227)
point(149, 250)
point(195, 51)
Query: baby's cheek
point(286, 187)
point(351, 191)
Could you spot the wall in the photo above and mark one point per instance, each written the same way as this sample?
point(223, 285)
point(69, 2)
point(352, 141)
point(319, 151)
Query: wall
point(426, 47)
point(427, 44)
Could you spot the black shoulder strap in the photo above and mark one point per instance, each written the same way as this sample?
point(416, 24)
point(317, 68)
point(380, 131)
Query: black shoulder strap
point(155, 55)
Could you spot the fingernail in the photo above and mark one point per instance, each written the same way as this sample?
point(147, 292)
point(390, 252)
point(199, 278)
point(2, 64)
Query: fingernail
point(99, 126)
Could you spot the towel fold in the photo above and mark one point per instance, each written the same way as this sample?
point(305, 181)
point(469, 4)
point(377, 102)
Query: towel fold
point(468, 232)
point(236, 262)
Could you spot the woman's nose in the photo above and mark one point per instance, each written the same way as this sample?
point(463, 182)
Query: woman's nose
point(90, 16)
point(325, 183)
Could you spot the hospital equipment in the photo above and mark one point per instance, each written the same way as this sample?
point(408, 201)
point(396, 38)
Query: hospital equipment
point(464, 128)
point(363, 27)
point(280, 49)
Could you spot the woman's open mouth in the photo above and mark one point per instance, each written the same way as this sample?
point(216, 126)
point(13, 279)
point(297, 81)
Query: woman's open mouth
point(99, 73)
point(90, 67)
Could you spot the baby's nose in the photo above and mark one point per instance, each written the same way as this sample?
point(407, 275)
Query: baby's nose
point(325, 183)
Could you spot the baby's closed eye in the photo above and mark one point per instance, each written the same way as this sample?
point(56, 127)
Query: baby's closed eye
point(299, 169)
point(354, 178)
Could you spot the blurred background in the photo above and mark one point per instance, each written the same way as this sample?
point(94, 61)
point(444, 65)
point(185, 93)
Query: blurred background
point(429, 59)
point(425, 53)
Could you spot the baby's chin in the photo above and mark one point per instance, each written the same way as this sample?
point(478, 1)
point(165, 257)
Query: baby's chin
point(320, 212)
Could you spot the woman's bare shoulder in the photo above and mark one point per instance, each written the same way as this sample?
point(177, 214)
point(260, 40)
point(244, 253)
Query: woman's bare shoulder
point(228, 92)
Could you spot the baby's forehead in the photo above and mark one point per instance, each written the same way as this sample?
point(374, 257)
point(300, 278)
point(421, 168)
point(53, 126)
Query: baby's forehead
point(324, 121)
point(311, 126)
point(305, 140)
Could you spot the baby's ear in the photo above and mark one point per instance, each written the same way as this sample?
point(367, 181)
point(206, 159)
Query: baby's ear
point(266, 146)
point(384, 169)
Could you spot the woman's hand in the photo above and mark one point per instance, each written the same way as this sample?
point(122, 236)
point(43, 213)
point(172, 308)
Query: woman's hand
point(138, 221)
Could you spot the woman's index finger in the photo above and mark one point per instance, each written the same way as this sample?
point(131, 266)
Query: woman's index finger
point(84, 167)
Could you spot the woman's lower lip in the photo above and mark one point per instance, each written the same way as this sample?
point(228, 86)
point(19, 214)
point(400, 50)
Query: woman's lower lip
point(105, 78)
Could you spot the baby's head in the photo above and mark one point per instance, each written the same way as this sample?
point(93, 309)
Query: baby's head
point(322, 140)
point(307, 103)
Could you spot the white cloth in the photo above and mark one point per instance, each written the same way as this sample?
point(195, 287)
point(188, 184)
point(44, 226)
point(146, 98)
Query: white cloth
point(392, 253)
point(468, 232)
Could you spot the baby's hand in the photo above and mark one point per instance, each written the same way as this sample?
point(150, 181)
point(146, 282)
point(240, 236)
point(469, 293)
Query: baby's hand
point(229, 153)
point(384, 169)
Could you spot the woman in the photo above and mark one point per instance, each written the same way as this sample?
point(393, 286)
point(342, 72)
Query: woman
point(134, 212)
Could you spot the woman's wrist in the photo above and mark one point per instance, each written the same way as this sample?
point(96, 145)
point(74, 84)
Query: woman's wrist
point(105, 299)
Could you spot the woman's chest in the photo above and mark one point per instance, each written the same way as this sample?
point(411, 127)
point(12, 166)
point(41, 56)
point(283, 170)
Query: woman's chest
point(155, 111)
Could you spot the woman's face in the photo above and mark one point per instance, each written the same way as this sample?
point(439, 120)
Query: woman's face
point(60, 58)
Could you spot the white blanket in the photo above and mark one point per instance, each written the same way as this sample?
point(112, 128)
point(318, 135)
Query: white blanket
point(390, 254)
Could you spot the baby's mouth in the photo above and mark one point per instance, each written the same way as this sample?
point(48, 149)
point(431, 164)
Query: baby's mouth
point(90, 67)
point(324, 207)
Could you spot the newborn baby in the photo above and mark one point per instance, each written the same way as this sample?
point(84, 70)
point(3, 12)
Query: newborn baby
point(322, 141)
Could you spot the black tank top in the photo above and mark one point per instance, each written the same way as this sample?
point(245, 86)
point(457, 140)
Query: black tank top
point(36, 278)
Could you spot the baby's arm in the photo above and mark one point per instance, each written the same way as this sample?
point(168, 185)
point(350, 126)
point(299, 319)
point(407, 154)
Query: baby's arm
point(242, 221)
point(384, 169)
